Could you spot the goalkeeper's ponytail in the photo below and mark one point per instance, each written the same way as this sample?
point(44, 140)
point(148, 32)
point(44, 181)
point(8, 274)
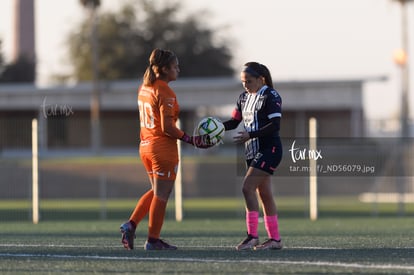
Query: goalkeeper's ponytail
point(157, 60)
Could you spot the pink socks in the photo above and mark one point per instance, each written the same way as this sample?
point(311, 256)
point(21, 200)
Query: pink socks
point(271, 224)
point(252, 222)
point(272, 227)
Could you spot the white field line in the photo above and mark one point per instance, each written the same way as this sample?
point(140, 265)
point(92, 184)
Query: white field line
point(199, 260)
point(11, 245)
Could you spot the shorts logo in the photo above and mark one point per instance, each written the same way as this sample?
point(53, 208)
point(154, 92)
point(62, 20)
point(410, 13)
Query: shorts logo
point(258, 156)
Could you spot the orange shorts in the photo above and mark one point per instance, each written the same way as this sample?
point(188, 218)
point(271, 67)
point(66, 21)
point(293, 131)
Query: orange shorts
point(162, 166)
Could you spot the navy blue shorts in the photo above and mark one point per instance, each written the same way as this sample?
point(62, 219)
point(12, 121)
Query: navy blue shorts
point(267, 159)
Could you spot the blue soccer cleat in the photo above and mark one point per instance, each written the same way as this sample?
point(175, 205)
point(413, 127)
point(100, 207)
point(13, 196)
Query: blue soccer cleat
point(159, 245)
point(128, 235)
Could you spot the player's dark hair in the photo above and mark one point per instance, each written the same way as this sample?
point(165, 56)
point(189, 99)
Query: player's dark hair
point(256, 69)
point(158, 59)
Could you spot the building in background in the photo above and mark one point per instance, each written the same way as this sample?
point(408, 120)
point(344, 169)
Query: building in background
point(63, 111)
point(64, 130)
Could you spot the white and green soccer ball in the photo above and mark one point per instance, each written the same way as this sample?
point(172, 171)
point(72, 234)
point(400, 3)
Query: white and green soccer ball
point(213, 127)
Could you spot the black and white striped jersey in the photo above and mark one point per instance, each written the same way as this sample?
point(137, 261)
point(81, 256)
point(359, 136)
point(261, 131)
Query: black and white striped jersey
point(256, 111)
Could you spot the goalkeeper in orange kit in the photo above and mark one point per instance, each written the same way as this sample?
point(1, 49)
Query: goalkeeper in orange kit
point(158, 112)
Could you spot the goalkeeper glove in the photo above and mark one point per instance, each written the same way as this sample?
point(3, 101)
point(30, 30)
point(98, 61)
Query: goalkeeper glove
point(202, 141)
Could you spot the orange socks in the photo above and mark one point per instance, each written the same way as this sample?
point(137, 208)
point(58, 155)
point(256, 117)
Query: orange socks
point(156, 208)
point(142, 208)
point(156, 217)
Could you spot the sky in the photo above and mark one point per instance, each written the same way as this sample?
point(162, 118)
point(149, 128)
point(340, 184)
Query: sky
point(297, 39)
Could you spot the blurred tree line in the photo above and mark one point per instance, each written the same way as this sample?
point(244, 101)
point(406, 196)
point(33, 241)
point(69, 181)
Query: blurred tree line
point(21, 70)
point(126, 38)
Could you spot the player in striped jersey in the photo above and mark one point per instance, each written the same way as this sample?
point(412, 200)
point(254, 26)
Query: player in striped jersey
point(259, 108)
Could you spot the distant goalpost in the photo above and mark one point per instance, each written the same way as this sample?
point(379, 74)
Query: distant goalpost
point(35, 178)
point(35, 172)
point(313, 180)
point(313, 175)
point(178, 186)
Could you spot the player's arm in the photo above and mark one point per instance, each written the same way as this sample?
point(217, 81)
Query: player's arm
point(273, 108)
point(167, 108)
point(268, 129)
point(234, 121)
point(231, 124)
point(169, 128)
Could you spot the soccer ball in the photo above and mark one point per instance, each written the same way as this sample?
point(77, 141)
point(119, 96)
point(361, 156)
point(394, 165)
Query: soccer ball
point(213, 127)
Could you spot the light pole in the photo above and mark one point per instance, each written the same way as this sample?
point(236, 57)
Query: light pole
point(401, 59)
point(92, 6)
point(96, 97)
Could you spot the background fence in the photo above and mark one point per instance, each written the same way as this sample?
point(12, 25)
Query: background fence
point(70, 173)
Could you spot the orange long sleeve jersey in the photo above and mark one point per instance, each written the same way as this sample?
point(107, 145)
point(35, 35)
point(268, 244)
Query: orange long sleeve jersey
point(158, 113)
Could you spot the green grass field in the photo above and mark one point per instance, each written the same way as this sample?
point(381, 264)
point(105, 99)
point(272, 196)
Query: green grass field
point(71, 238)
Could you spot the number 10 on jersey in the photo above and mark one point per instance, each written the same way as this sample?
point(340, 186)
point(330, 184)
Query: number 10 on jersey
point(146, 115)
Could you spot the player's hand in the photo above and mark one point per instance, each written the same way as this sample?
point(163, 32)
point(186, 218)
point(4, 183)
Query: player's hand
point(241, 137)
point(202, 141)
